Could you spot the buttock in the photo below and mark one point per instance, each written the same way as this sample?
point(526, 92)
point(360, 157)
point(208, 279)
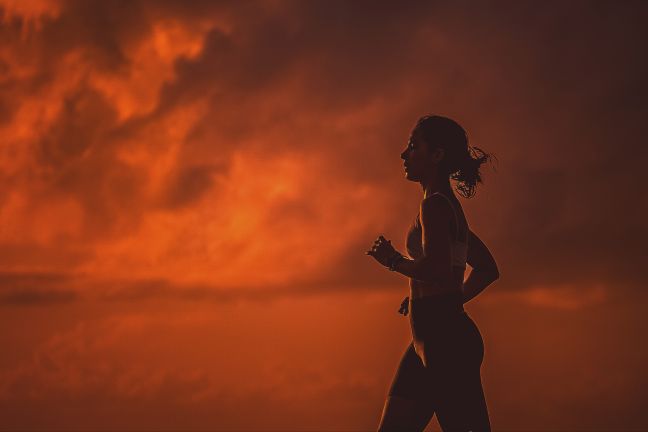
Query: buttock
point(415, 379)
point(454, 343)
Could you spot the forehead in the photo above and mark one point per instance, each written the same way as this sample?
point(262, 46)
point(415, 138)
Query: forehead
point(414, 136)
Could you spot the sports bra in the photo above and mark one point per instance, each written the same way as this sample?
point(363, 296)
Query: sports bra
point(414, 242)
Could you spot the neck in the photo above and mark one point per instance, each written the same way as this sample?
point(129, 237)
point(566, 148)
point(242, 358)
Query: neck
point(436, 185)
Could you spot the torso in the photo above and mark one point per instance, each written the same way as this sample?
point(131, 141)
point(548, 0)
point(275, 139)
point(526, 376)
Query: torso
point(415, 250)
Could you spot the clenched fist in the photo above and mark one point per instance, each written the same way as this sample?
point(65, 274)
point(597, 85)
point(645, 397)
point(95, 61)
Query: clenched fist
point(382, 251)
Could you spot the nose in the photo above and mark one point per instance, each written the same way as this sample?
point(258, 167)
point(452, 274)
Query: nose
point(404, 155)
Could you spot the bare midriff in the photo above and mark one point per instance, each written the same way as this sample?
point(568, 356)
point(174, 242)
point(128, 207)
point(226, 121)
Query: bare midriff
point(422, 289)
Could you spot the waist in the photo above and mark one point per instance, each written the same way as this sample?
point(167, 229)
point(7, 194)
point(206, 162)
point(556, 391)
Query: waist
point(446, 303)
point(421, 288)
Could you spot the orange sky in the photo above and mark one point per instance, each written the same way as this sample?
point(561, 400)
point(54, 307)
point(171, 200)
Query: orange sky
point(188, 189)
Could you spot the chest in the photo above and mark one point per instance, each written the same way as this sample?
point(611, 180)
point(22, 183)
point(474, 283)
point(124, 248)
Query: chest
point(414, 240)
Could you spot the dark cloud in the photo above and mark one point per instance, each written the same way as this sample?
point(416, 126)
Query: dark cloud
point(564, 103)
point(37, 297)
point(556, 91)
point(189, 185)
point(84, 118)
point(24, 288)
point(31, 288)
point(22, 279)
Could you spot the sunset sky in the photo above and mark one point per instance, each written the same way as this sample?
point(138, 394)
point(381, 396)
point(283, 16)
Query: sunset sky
point(188, 189)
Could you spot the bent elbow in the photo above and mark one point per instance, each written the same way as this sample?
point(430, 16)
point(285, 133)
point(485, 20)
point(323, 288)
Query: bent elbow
point(488, 271)
point(495, 274)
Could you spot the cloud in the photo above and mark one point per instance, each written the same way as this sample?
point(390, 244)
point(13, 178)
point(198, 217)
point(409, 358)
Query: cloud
point(245, 154)
point(156, 112)
point(30, 288)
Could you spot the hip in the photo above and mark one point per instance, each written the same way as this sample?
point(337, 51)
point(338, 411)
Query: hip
point(443, 321)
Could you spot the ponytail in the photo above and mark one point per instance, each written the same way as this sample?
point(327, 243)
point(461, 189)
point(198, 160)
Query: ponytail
point(468, 174)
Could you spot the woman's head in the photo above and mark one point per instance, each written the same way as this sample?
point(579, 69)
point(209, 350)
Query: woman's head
point(438, 146)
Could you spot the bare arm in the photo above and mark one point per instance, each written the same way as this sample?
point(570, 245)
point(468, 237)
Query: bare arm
point(484, 269)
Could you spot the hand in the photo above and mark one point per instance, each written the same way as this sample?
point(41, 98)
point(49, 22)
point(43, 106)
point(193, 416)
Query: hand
point(382, 250)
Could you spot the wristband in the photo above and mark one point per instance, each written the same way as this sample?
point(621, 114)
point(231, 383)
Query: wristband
point(395, 260)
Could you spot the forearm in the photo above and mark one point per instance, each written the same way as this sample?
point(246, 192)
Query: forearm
point(477, 281)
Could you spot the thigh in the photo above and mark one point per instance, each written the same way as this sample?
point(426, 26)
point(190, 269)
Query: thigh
point(410, 379)
point(454, 372)
point(460, 405)
point(403, 414)
point(407, 406)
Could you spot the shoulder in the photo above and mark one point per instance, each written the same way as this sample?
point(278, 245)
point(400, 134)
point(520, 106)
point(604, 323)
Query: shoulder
point(435, 207)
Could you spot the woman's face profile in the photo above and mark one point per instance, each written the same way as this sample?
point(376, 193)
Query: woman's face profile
point(417, 157)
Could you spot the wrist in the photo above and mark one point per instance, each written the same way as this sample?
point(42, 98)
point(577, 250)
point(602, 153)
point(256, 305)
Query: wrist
point(393, 262)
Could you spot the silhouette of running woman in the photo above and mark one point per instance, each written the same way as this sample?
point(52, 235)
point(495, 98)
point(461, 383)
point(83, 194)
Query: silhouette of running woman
point(439, 371)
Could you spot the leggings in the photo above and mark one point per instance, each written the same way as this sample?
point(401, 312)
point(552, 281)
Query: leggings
point(441, 366)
